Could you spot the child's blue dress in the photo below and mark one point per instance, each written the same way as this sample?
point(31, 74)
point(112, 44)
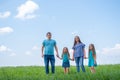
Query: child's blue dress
point(91, 62)
point(66, 63)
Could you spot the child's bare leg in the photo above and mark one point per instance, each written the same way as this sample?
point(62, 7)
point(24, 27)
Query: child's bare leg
point(92, 69)
point(65, 70)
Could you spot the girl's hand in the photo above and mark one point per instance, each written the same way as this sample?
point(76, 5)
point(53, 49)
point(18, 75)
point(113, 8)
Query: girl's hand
point(71, 59)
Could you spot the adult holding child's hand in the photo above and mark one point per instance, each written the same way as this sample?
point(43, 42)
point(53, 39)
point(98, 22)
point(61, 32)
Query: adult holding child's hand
point(79, 53)
point(48, 46)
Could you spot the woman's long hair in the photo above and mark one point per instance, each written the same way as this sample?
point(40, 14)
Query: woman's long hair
point(75, 40)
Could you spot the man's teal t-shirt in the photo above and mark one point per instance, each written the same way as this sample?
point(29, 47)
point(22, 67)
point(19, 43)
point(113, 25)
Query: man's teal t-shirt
point(49, 46)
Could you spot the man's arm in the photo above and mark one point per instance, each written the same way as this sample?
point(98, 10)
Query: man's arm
point(42, 51)
point(56, 51)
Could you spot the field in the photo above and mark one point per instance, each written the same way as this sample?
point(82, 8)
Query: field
point(104, 72)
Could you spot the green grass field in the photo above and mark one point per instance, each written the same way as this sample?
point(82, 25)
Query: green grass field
point(104, 72)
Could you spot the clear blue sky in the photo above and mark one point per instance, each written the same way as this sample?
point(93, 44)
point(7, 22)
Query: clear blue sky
point(23, 30)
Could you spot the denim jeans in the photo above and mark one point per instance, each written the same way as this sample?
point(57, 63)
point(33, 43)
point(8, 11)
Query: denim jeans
point(79, 63)
point(51, 59)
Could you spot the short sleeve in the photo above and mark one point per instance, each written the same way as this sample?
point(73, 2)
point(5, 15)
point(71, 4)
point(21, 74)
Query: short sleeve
point(73, 48)
point(43, 43)
point(83, 45)
point(54, 43)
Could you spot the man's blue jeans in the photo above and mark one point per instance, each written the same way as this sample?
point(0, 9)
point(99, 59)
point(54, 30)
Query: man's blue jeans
point(79, 62)
point(51, 59)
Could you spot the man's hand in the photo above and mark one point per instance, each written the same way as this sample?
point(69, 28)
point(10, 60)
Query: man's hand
point(57, 55)
point(42, 55)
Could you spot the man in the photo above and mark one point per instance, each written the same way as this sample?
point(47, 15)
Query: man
point(48, 46)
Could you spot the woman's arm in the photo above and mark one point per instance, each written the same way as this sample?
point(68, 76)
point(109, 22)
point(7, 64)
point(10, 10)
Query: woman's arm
point(73, 55)
point(84, 54)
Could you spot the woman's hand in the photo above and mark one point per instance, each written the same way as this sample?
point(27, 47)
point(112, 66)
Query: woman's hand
point(85, 57)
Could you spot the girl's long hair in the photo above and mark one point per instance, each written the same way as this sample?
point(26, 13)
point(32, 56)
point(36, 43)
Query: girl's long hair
point(75, 40)
point(67, 52)
point(93, 50)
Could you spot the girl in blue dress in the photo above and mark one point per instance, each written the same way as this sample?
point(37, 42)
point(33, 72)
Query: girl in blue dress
point(65, 57)
point(92, 58)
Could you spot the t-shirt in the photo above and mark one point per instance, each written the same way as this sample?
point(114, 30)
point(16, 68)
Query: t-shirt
point(65, 57)
point(78, 50)
point(49, 46)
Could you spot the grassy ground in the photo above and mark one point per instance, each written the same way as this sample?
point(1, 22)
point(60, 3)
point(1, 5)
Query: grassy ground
point(104, 72)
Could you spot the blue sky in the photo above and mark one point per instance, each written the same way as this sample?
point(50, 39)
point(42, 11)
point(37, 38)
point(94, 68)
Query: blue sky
point(24, 24)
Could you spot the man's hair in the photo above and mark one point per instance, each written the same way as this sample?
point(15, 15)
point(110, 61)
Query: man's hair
point(48, 33)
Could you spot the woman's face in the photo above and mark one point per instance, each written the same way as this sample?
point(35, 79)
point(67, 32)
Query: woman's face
point(77, 39)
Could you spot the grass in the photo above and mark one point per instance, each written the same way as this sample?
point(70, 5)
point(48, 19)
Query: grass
point(104, 72)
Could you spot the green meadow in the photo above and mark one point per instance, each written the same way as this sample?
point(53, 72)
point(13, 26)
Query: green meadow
point(103, 72)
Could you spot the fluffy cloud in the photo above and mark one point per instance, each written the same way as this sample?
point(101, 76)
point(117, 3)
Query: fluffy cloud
point(115, 49)
point(28, 53)
point(5, 14)
point(5, 50)
point(35, 48)
point(6, 30)
point(26, 10)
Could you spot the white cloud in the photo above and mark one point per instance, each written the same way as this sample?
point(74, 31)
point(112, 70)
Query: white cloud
point(115, 49)
point(4, 48)
point(5, 14)
point(6, 30)
point(28, 53)
point(26, 10)
point(35, 48)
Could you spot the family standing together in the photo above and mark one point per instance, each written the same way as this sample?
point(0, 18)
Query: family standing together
point(79, 54)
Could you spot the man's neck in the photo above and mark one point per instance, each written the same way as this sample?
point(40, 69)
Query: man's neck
point(49, 39)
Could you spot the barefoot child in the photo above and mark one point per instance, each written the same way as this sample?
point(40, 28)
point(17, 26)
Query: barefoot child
point(65, 58)
point(79, 53)
point(92, 58)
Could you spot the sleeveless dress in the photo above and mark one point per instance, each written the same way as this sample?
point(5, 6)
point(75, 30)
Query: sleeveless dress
point(66, 63)
point(91, 62)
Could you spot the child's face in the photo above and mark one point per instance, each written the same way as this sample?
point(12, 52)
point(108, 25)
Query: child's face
point(49, 36)
point(65, 50)
point(90, 47)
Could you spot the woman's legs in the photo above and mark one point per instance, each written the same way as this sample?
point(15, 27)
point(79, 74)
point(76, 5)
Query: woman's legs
point(81, 62)
point(77, 60)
